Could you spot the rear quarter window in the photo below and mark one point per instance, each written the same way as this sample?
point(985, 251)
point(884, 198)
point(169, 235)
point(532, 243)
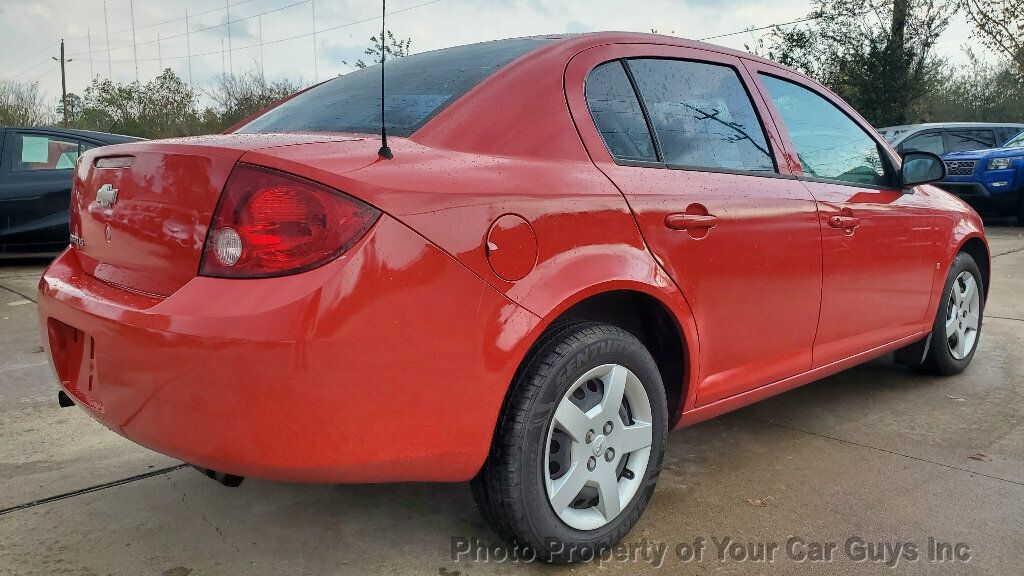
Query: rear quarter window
point(617, 114)
point(417, 88)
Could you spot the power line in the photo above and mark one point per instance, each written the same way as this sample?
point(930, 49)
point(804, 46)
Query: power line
point(31, 68)
point(279, 40)
point(108, 34)
point(746, 30)
point(171, 21)
point(221, 25)
point(770, 26)
point(44, 74)
point(23, 60)
point(261, 43)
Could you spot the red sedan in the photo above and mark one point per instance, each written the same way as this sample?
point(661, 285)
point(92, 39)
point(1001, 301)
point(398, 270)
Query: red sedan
point(579, 244)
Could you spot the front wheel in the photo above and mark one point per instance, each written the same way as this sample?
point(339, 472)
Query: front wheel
point(579, 446)
point(957, 327)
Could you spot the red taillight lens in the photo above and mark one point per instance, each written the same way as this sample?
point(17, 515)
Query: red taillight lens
point(271, 224)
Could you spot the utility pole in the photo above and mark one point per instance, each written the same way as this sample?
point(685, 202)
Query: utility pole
point(92, 73)
point(259, 21)
point(159, 54)
point(63, 84)
point(135, 46)
point(231, 64)
point(188, 49)
point(315, 74)
point(106, 30)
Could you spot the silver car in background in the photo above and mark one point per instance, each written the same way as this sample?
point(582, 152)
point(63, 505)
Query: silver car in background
point(944, 137)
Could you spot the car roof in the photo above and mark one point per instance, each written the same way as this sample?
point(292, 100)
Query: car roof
point(91, 134)
point(589, 39)
point(542, 69)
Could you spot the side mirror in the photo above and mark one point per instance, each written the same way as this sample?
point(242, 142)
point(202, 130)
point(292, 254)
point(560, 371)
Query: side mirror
point(921, 168)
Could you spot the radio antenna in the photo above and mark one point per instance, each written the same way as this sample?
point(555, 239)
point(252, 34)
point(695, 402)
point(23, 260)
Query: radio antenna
point(385, 150)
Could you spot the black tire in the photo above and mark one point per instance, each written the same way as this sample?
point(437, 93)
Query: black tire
point(940, 360)
point(1020, 212)
point(510, 489)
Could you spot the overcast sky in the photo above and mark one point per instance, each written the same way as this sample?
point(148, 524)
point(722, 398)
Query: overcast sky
point(30, 31)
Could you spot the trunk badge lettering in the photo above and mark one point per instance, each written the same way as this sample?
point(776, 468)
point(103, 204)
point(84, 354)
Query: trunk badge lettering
point(106, 195)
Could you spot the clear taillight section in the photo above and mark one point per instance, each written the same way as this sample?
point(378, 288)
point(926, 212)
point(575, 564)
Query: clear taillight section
point(269, 223)
point(75, 216)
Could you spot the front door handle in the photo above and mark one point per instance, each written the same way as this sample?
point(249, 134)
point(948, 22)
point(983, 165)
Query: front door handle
point(844, 222)
point(690, 221)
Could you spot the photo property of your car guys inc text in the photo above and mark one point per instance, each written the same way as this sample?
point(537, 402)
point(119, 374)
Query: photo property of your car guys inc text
point(475, 287)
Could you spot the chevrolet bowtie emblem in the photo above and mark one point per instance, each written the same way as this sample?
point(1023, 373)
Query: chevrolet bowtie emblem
point(106, 195)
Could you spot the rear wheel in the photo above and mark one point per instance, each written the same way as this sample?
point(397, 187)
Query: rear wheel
point(957, 327)
point(579, 446)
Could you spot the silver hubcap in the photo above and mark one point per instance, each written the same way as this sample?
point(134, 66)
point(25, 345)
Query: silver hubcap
point(598, 447)
point(963, 316)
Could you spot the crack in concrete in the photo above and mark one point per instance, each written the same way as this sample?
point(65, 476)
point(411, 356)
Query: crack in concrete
point(13, 291)
point(987, 316)
point(95, 488)
point(851, 442)
point(1014, 251)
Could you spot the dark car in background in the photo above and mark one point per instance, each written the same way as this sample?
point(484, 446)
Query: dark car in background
point(36, 168)
point(990, 179)
point(945, 137)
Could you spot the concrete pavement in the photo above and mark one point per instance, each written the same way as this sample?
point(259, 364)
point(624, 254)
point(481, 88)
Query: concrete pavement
point(872, 461)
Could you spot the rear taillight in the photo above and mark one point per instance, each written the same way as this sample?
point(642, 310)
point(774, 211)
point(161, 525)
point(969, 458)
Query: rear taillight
point(75, 216)
point(271, 224)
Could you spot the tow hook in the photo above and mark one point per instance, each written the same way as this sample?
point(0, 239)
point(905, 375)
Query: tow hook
point(229, 480)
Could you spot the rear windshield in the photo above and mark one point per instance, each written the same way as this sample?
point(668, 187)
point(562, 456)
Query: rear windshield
point(418, 87)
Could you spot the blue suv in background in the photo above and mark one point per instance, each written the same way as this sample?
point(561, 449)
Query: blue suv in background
point(985, 174)
point(990, 179)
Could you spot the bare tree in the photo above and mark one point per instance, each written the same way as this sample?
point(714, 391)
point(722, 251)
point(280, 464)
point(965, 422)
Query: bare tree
point(999, 24)
point(22, 104)
point(877, 54)
point(241, 95)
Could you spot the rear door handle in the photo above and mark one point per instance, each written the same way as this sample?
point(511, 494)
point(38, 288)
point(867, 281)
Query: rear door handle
point(690, 221)
point(844, 222)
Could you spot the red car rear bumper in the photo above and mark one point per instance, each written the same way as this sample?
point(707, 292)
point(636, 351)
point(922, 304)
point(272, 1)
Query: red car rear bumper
point(388, 364)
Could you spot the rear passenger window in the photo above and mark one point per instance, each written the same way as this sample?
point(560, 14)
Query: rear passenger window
point(829, 144)
point(617, 114)
point(702, 115)
point(45, 152)
point(959, 140)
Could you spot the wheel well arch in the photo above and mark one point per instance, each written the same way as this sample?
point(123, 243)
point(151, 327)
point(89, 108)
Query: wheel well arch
point(977, 249)
point(650, 321)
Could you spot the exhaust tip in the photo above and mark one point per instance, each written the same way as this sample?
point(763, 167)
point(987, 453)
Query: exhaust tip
point(229, 480)
point(63, 400)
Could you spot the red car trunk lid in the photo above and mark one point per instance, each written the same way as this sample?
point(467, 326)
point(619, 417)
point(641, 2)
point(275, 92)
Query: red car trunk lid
point(148, 236)
point(142, 227)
